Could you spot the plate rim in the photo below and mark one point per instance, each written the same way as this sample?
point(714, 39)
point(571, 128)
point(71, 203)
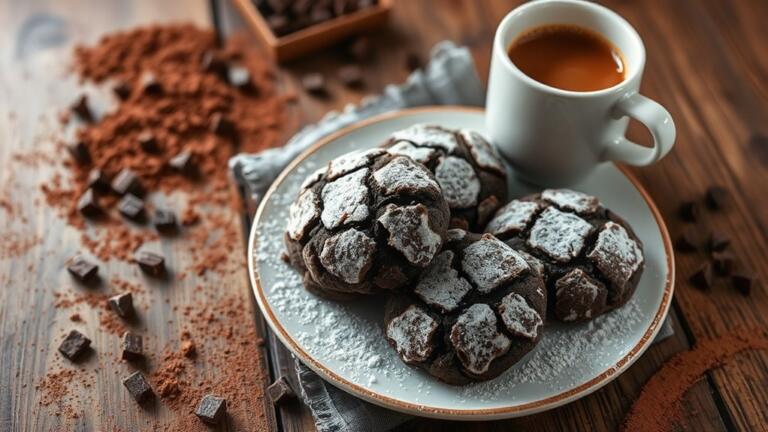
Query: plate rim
point(564, 397)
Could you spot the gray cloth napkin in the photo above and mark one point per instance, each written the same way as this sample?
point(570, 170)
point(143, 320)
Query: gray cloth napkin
point(450, 78)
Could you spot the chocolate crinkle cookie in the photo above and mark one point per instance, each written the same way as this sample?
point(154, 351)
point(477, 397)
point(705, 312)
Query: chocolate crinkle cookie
point(591, 259)
point(368, 221)
point(473, 313)
point(468, 169)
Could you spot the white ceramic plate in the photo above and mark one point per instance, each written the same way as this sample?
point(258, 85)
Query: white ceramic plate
point(344, 343)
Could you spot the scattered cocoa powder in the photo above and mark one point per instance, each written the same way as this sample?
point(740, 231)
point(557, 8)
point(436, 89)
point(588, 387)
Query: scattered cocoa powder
point(658, 406)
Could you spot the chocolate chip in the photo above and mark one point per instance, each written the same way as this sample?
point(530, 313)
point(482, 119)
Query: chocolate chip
point(82, 110)
point(165, 221)
point(279, 25)
point(412, 61)
point(702, 278)
point(122, 90)
point(239, 77)
point(126, 181)
point(131, 206)
point(148, 142)
point(742, 281)
point(211, 409)
point(360, 49)
point(183, 163)
point(351, 76)
point(74, 345)
point(690, 211)
point(132, 346)
point(221, 126)
point(87, 204)
point(98, 181)
point(122, 304)
point(723, 262)
point(213, 63)
point(150, 85)
point(151, 263)
point(280, 391)
point(688, 241)
point(717, 197)
point(138, 387)
point(314, 83)
point(82, 269)
point(79, 152)
point(718, 241)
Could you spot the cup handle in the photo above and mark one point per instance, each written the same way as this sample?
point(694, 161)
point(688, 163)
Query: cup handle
point(658, 121)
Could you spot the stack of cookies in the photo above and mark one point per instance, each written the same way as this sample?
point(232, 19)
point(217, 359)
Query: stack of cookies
point(469, 276)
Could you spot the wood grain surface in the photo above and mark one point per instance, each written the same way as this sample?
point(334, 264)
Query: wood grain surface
point(707, 63)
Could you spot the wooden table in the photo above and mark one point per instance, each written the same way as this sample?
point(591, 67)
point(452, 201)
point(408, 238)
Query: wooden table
point(707, 63)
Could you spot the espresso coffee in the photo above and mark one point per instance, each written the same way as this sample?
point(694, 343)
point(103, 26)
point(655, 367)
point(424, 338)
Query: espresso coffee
point(568, 57)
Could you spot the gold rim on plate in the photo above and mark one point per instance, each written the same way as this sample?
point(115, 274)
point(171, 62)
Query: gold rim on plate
point(517, 410)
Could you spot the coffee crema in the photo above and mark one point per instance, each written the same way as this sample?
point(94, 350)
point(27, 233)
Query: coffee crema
point(568, 57)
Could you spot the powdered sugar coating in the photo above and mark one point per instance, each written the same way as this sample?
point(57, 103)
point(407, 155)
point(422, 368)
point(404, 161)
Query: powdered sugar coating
point(410, 233)
point(426, 135)
point(615, 254)
point(558, 234)
point(441, 286)
point(345, 200)
point(477, 339)
point(348, 255)
point(302, 214)
point(402, 174)
point(419, 154)
point(313, 178)
point(579, 292)
point(351, 161)
point(519, 317)
point(567, 199)
point(458, 181)
point(489, 262)
point(482, 151)
point(411, 332)
point(513, 218)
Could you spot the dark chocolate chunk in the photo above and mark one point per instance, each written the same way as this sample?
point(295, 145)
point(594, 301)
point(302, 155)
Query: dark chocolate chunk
point(150, 85)
point(122, 304)
point(98, 181)
point(717, 197)
point(165, 221)
point(126, 181)
point(690, 211)
point(211, 409)
point(131, 206)
point(82, 269)
point(74, 345)
point(279, 25)
point(314, 83)
point(82, 110)
point(280, 391)
point(702, 278)
point(742, 281)
point(688, 241)
point(718, 241)
point(87, 204)
point(79, 152)
point(213, 63)
point(360, 49)
point(122, 90)
point(148, 142)
point(133, 346)
point(723, 262)
point(319, 14)
point(138, 387)
point(351, 76)
point(220, 125)
point(412, 61)
point(239, 77)
point(183, 162)
point(151, 263)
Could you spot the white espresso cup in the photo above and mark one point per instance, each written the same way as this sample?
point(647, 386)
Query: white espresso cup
point(554, 137)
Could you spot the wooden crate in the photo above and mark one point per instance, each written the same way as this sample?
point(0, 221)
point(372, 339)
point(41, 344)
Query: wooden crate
point(314, 37)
